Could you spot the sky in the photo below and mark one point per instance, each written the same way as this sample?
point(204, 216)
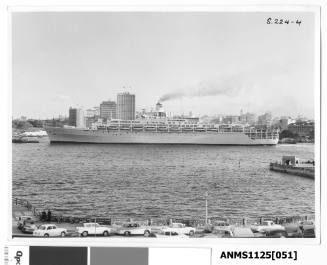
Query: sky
point(208, 63)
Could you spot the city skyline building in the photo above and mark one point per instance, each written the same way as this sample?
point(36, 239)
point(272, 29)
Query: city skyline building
point(125, 106)
point(95, 111)
point(76, 117)
point(265, 119)
point(108, 110)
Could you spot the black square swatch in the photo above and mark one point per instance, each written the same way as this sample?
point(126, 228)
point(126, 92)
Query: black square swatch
point(58, 255)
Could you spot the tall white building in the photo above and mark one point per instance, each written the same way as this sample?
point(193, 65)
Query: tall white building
point(76, 117)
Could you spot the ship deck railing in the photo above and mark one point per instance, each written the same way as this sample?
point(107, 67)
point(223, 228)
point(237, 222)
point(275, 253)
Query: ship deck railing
point(207, 127)
point(191, 128)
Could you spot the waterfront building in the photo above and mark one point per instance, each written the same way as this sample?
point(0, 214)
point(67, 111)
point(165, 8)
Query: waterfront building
point(89, 121)
point(80, 120)
point(265, 119)
point(62, 118)
point(231, 119)
point(108, 110)
point(303, 129)
point(218, 119)
point(301, 118)
point(242, 117)
point(284, 122)
point(95, 111)
point(126, 106)
point(76, 117)
point(250, 118)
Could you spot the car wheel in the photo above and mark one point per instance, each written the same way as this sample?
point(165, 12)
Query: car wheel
point(84, 233)
point(127, 233)
point(105, 233)
point(62, 234)
point(191, 233)
point(146, 233)
point(46, 235)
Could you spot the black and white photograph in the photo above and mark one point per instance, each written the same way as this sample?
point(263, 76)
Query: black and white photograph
point(186, 125)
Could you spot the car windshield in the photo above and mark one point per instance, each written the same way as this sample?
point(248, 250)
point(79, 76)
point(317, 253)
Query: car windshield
point(130, 225)
point(92, 225)
point(42, 227)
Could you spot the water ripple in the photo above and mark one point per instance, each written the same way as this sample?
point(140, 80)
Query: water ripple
point(160, 181)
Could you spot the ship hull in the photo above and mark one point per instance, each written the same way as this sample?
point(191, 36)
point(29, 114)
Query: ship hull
point(72, 135)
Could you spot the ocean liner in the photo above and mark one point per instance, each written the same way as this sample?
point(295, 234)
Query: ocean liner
point(135, 132)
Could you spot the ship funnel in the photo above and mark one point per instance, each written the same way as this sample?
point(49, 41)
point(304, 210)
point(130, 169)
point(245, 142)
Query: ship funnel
point(159, 107)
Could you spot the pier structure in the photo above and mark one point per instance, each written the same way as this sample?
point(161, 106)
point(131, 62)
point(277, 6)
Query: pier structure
point(295, 166)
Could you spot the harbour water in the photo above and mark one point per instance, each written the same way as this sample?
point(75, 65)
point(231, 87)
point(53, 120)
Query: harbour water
point(160, 181)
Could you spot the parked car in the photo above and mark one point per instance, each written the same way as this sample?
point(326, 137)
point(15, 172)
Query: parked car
point(308, 223)
point(21, 219)
point(276, 233)
point(242, 232)
point(308, 228)
point(129, 229)
point(309, 232)
point(48, 230)
point(259, 234)
point(221, 225)
point(180, 229)
point(169, 234)
point(93, 229)
point(29, 227)
point(293, 230)
point(219, 233)
point(216, 225)
point(266, 226)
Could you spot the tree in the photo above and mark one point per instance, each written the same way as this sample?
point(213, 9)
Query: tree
point(21, 125)
point(312, 135)
point(287, 134)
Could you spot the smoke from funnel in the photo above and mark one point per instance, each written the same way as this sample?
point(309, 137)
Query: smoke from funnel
point(226, 87)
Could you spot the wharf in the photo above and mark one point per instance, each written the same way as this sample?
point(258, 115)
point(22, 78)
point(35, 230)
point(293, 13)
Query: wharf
point(307, 172)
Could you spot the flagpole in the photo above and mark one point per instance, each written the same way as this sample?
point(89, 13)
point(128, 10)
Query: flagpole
point(206, 196)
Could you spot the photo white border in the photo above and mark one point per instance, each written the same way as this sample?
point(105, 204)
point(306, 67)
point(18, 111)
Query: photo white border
point(320, 191)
